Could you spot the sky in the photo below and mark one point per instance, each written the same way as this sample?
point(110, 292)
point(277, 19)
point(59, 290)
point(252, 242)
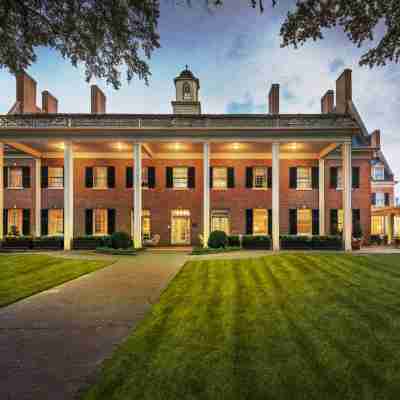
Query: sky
point(235, 52)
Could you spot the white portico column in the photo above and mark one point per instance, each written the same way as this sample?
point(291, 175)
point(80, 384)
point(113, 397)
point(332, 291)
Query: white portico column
point(347, 214)
point(38, 201)
point(1, 189)
point(68, 195)
point(321, 168)
point(206, 193)
point(275, 197)
point(137, 195)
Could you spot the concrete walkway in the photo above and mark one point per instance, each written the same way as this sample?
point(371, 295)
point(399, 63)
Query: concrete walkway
point(52, 343)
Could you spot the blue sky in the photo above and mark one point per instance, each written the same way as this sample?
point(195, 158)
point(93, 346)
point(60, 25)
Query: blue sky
point(235, 52)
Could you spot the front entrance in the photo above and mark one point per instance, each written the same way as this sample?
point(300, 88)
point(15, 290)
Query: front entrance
point(180, 227)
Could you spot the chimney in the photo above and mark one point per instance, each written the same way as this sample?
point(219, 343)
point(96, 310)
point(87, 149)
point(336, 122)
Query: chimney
point(375, 139)
point(98, 100)
point(343, 92)
point(49, 103)
point(273, 99)
point(327, 102)
point(26, 93)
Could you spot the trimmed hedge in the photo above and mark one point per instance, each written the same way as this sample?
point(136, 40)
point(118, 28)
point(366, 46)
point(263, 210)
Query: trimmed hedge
point(311, 242)
point(234, 241)
point(17, 243)
point(208, 250)
point(116, 252)
point(91, 242)
point(217, 239)
point(378, 240)
point(121, 240)
point(255, 242)
point(48, 243)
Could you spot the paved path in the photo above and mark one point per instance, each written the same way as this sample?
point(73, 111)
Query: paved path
point(52, 342)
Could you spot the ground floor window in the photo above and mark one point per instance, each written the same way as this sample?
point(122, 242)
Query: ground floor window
point(396, 228)
point(260, 221)
point(100, 221)
point(180, 226)
point(146, 225)
point(56, 222)
point(220, 221)
point(377, 225)
point(304, 221)
point(14, 221)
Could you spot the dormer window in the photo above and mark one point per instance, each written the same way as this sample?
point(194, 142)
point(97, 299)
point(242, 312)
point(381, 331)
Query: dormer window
point(378, 172)
point(187, 92)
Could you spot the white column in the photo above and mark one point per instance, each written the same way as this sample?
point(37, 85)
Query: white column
point(38, 201)
point(1, 188)
point(275, 197)
point(347, 214)
point(68, 195)
point(137, 195)
point(321, 197)
point(206, 193)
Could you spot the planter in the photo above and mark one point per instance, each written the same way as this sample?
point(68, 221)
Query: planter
point(356, 244)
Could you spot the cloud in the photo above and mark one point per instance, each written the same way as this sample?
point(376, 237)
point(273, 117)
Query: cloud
point(247, 106)
point(240, 49)
point(336, 65)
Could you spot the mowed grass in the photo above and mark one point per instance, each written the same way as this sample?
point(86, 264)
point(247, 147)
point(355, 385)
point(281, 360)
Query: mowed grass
point(24, 275)
point(290, 326)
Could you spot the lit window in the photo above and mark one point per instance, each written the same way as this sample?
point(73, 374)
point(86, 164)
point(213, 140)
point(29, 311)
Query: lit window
point(339, 185)
point(15, 178)
point(379, 199)
point(303, 178)
point(145, 177)
point(220, 177)
point(180, 177)
point(100, 177)
point(100, 221)
point(304, 222)
point(377, 225)
point(260, 222)
point(56, 177)
point(260, 177)
point(146, 227)
point(14, 221)
point(378, 172)
point(220, 221)
point(340, 217)
point(56, 223)
point(396, 228)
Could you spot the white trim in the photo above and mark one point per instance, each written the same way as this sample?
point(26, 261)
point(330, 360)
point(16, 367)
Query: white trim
point(383, 184)
point(275, 197)
point(68, 195)
point(137, 195)
point(321, 196)
point(38, 201)
point(347, 186)
point(25, 149)
point(206, 193)
point(1, 188)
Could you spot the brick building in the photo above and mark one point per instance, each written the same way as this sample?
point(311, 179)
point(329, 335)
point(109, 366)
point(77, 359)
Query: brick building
point(184, 174)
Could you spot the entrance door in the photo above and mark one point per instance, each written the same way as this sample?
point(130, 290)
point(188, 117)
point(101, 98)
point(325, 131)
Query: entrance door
point(180, 227)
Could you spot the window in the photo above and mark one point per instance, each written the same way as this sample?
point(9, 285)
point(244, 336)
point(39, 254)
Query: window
point(339, 185)
point(260, 177)
point(56, 177)
point(304, 221)
point(100, 177)
point(377, 225)
point(15, 178)
point(100, 221)
point(14, 221)
point(187, 92)
point(146, 227)
point(180, 177)
point(340, 217)
point(396, 229)
point(220, 221)
point(260, 222)
point(220, 177)
point(56, 223)
point(380, 199)
point(145, 177)
point(304, 178)
point(378, 172)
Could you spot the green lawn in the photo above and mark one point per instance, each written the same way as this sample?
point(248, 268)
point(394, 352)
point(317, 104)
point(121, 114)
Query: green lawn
point(293, 326)
point(24, 275)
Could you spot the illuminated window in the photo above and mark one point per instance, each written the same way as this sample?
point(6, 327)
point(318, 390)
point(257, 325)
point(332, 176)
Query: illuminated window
point(56, 223)
point(100, 177)
point(14, 221)
point(220, 177)
point(377, 225)
point(340, 216)
point(145, 177)
point(56, 177)
point(180, 177)
point(304, 221)
point(146, 226)
point(220, 221)
point(260, 177)
point(260, 221)
point(100, 221)
point(303, 178)
point(339, 185)
point(378, 173)
point(15, 178)
point(379, 199)
point(396, 227)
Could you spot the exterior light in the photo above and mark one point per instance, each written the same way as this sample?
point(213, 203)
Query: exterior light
point(177, 146)
point(293, 146)
point(236, 146)
point(61, 145)
point(119, 146)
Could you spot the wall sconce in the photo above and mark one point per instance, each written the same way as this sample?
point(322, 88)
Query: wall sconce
point(236, 146)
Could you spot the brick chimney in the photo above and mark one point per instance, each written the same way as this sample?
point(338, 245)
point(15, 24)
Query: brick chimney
point(49, 103)
point(273, 99)
point(375, 139)
point(327, 102)
point(26, 93)
point(343, 92)
point(98, 100)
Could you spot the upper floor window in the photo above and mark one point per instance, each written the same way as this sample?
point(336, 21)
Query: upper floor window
point(260, 177)
point(220, 177)
point(100, 177)
point(15, 178)
point(303, 178)
point(380, 199)
point(378, 172)
point(55, 177)
point(187, 92)
point(180, 177)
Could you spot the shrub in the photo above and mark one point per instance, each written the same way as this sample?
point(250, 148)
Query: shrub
point(234, 241)
point(256, 242)
point(217, 239)
point(120, 240)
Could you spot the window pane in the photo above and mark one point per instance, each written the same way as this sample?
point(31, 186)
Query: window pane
point(100, 177)
point(339, 178)
point(56, 222)
point(377, 225)
point(260, 177)
point(146, 225)
point(304, 222)
point(260, 222)
point(380, 199)
point(220, 221)
point(56, 179)
point(378, 173)
point(304, 178)
point(340, 220)
point(100, 221)
point(180, 177)
point(145, 177)
point(14, 221)
point(220, 177)
point(396, 230)
point(15, 177)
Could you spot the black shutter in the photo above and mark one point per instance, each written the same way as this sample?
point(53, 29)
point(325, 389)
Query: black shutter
point(89, 177)
point(373, 199)
point(45, 177)
point(315, 177)
point(63, 177)
point(151, 177)
point(249, 221)
point(211, 177)
point(231, 177)
point(129, 177)
point(315, 222)
point(110, 177)
point(169, 181)
point(333, 177)
point(88, 221)
point(356, 221)
point(293, 221)
point(26, 177)
point(26, 221)
point(387, 199)
point(293, 177)
point(5, 221)
point(334, 222)
point(355, 177)
point(270, 222)
point(191, 177)
point(249, 177)
point(5, 176)
point(110, 221)
point(269, 177)
point(44, 222)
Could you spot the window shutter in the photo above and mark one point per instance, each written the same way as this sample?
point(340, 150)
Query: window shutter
point(63, 177)
point(270, 222)
point(110, 221)
point(315, 177)
point(26, 177)
point(129, 177)
point(89, 177)
point(387, 199)
point(231, 177)
point(249, 221)
point(26, 221)
point(355, 177)
point(191, 177)
point(334, 222)
point(293, 177)
point(44, 222)
point(315, 221)
point(269, 177)
point(169, 177)
point(5, 176)
point(45, 177)
point(5, 221)
point(151, 177)
point(293, 221)
point(356, 221)
point(334, 177)
point(211, 177)
point(110, 177)
point(373, 199)
point(249, 177)
point(89, 221)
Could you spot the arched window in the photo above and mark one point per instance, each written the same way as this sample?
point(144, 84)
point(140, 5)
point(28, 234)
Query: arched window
point(187, 91)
